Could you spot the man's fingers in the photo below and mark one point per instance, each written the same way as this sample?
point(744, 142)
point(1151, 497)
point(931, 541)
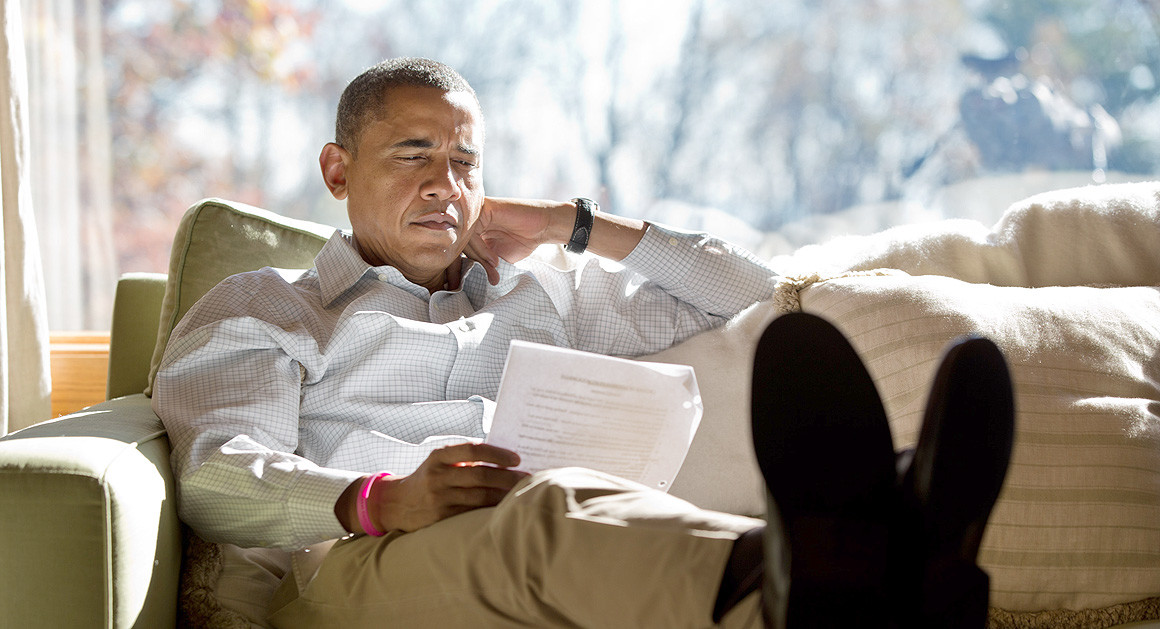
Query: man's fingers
point(468, 453)
point(492, 272)
point(455, 274)
point(479, 251)
point(452, 480)
point(458, 499)
point(482, 476)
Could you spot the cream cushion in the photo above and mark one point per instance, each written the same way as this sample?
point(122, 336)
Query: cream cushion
point(1078, 522)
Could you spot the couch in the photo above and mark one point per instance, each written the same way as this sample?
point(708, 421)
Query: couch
point(1066, 283)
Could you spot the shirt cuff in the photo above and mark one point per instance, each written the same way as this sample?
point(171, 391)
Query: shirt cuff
point(312, 500)
point(677, 248)
point(710, 273)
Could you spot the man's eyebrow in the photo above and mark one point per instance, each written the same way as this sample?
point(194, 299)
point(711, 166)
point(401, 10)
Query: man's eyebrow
point(420, 143)
point(414, 143)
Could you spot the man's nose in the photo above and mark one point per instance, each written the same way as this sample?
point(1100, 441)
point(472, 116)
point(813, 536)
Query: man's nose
point(442, 182)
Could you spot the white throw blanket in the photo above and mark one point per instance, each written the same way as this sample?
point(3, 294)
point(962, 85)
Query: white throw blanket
point(1098, 235)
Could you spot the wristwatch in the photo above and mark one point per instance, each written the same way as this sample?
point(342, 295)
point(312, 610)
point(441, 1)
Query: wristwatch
point(585, 215)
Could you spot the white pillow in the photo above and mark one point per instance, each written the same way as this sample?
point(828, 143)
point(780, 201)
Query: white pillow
point(720, 471)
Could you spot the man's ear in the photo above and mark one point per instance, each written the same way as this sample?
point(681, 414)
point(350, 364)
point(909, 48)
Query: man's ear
point(333, 160)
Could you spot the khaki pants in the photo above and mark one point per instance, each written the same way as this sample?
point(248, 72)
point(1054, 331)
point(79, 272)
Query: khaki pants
point(566, 548)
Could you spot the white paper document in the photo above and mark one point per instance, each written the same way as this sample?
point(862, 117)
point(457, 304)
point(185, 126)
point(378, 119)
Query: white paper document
point(561, 407)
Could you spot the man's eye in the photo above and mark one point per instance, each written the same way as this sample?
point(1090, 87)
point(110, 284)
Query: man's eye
point(465, 163)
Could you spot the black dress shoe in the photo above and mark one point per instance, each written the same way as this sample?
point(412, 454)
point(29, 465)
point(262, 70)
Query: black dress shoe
point(949, 486)
point(824, 448)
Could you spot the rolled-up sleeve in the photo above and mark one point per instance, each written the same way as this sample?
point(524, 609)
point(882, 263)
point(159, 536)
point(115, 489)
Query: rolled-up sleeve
point(673, 285)
point(228, 394)
point(706, 272)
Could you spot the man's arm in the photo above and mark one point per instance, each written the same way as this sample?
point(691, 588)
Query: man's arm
point(228, 393)
point(677, 282)
point(512, 229)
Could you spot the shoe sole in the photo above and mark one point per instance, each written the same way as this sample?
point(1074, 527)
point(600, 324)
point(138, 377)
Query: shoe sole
point(954, 478)
point(964, 447)
point(824, 448)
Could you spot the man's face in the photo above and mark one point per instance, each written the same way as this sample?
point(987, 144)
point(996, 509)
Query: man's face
point(415, 189)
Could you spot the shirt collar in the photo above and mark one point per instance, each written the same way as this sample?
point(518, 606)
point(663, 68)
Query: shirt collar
point(340, 267)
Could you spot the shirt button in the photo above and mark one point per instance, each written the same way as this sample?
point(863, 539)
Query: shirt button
point(674, 242)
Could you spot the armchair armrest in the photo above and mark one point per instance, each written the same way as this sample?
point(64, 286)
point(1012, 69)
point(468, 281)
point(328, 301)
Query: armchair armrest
point(90, 535)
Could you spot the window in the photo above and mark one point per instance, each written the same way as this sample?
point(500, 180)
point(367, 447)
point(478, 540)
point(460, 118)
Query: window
point(772, 124)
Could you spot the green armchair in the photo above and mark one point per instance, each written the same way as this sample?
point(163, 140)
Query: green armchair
point(89, 535)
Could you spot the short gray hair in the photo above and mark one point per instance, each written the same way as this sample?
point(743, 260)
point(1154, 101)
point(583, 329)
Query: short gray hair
point(362, 100)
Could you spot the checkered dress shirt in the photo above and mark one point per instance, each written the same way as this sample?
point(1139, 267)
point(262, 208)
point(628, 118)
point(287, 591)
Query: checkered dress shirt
point(278, 394)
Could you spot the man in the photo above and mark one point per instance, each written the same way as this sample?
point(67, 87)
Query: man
point(285, 401)
point(351, 403)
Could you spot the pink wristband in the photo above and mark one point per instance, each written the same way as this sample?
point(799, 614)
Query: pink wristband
point(364, 518)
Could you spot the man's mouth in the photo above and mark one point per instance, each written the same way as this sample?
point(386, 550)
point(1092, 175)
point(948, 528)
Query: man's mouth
point(439, 220)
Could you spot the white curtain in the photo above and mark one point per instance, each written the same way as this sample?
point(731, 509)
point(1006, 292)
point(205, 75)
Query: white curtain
point(71, 173)
point(25, 386)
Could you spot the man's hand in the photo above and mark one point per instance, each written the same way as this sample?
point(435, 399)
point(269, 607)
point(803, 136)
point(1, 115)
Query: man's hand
point(452, 480)
point(512, 229)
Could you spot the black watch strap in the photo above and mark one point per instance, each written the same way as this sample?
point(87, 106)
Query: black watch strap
point(585, 215)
